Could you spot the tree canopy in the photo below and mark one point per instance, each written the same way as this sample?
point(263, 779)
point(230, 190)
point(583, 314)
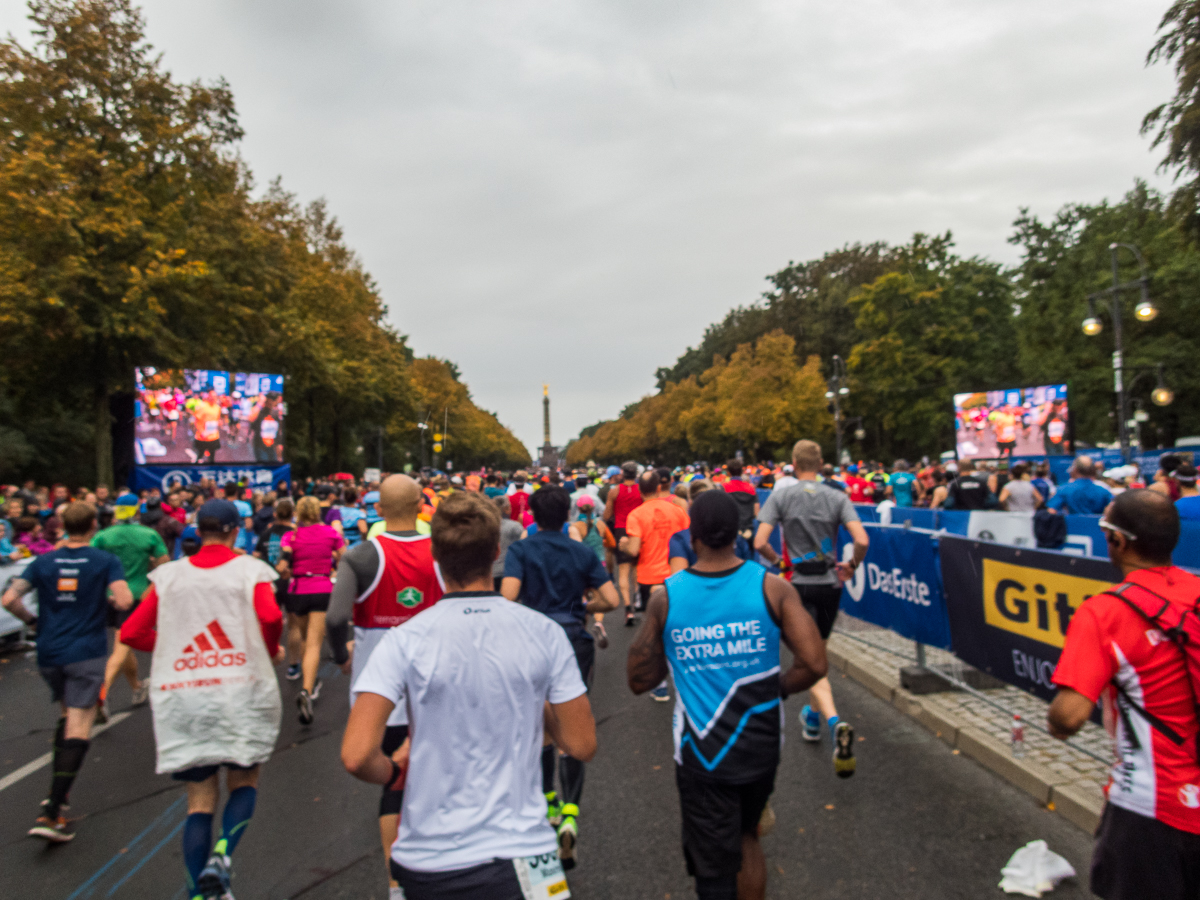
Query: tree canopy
point(130, 235)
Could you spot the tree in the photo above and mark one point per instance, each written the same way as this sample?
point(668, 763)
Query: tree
point(1068, 258)
point(1176, 123)
point(108, 170)
point(939, 326)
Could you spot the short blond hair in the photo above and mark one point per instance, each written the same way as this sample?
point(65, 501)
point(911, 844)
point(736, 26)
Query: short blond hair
point(308, 511)
point(806, 456)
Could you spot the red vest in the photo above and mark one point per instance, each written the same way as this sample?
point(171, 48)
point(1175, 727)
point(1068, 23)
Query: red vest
point(405, 583)
point(629, 498)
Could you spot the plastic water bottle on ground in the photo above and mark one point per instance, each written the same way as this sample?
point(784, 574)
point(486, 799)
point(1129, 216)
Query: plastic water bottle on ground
point(1018, 736)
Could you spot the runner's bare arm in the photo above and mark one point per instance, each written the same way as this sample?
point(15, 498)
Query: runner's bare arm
point(510, 588)
point(120, 595)
point(157, 561)
point(1068, 713)
point(861, 542)
point(630, 545)
point(364, 736)
point(609, 600)
point(646, 666)
point(800, 633)
point(12, 600)
point(762, 543)
point(572, 727)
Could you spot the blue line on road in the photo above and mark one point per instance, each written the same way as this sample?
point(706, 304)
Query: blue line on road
point(145, 859)
point(79, 892)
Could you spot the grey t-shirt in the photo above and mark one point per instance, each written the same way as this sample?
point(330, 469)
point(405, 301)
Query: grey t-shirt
point(810, 514)
point(510, 533)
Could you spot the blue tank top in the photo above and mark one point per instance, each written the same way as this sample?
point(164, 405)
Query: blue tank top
point(723, 648)
point(350, 518)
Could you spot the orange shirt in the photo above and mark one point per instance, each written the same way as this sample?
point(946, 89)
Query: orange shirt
point(654, 522)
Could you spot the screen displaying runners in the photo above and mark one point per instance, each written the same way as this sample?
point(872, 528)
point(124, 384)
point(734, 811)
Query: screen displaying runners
point(203, 417)
point(1019, 422)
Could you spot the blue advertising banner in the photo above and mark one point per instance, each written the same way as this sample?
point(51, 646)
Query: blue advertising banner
point(899, 584)
point(162, 477)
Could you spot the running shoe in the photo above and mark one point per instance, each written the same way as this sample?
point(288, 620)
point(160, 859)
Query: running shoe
point(304, 704)
point(102, 712)
point(810, 719)
point(293, 672)
point(568, 835)
point(56, 829)
point(766, 822)
point(662, 693)
point(843, 750)
point(316, 691)
point(395, 892)
point(601, 635)
point(553, 808)
point(214, 877)
point(629, 619)
point(141, 694)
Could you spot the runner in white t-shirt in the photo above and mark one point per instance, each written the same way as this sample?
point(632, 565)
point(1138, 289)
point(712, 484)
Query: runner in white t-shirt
point(473, 822)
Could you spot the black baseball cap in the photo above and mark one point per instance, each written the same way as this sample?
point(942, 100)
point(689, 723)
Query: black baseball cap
point(222, 512)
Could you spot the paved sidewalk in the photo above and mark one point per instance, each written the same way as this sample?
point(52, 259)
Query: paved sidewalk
point(1078, 770)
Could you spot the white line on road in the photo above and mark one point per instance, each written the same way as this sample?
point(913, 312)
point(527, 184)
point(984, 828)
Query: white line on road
point(44, 760)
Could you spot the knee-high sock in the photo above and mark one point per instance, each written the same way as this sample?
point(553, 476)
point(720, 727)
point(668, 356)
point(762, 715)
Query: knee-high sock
point(548, 754)
point(238, 810)
point(197, 841)
point(570, 771)
point(68, 759)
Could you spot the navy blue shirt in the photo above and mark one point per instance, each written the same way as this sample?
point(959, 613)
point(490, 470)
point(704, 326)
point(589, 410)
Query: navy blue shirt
point(72, 590)
point(1081, 497)
point(555, 571)
point(681, 545)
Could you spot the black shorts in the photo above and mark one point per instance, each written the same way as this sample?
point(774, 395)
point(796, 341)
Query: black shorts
point(391, 801)
point(303, 604)
point(76, 685)
point(584, 646)
point(822, 602)
point(197, 774)
point(1136, 857)
point(622, 556)
point(115, 618)
point(495, 880)
point(715, 818)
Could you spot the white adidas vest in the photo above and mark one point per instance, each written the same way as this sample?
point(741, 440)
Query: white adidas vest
point(213, 690)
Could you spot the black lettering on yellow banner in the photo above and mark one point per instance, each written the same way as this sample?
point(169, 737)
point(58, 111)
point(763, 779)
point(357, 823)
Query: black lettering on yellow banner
point(1034, 603)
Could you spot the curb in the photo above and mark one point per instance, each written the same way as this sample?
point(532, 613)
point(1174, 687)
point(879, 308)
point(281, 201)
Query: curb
point(1056, 792)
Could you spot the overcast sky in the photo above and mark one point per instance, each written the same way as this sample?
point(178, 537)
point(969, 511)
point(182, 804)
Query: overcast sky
point(570, 192)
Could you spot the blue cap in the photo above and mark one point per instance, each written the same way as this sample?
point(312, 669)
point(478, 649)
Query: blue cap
point(128, 499)
point(611, 471)
point(371, 497)
point(852, 469)
point(223, 511)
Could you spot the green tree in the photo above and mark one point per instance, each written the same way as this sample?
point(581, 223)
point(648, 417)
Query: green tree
point(1176, 123)
point(938, 326)
point(1067, 258)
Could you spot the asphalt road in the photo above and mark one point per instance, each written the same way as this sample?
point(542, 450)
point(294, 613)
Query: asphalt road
point(917, 821)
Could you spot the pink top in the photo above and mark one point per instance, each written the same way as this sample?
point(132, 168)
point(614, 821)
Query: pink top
point(312, 549)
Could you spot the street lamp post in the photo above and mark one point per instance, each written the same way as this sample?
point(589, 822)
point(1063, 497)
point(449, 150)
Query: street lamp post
point(837, 390)
point(1092, 326)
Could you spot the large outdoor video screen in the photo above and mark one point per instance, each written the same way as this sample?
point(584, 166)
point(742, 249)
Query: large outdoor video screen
point(1021, 422)
point(204, 417)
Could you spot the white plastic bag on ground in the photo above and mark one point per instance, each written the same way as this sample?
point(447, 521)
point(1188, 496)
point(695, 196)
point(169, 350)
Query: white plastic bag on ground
point(1033, 870)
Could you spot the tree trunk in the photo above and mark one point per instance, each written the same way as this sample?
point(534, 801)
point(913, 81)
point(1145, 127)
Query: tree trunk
point(104, 448)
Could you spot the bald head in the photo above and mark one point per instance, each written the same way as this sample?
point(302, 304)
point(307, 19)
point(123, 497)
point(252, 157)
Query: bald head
point(399, 497)
point(1084, 467)
point(1154, 521)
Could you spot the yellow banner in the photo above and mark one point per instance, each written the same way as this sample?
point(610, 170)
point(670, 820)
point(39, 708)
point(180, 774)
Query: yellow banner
point(1034, 603)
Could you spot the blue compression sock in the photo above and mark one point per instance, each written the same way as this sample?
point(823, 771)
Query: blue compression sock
point(833, 720)
point(197, 839)
point(238, 810)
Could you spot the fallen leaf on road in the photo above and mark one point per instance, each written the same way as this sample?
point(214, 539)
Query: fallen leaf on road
point(801, 831)
point(861, 739)
point(656, 768)
point(779, 869)
point(955, 752)
point(829, 806)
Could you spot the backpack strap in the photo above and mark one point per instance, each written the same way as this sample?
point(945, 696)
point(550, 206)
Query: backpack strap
point(1179, 637)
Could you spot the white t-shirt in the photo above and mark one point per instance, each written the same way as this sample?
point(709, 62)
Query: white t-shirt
point(785, 481)
point(475, 671)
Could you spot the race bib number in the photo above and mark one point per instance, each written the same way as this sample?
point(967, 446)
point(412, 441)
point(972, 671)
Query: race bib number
point(541, 877)
point(270, 428)
point(210, 428)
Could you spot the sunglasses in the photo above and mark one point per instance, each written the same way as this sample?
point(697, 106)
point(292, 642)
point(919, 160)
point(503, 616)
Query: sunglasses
point(1116, 529)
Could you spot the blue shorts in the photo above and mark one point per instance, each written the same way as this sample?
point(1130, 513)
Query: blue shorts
point(197, 774)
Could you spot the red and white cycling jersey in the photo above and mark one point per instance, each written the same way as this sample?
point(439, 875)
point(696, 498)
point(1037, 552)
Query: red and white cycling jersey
point(1110, 645)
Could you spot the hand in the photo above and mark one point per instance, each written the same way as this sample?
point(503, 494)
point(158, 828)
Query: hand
point(280, 654)
point(846, 570)
point(401, 756)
